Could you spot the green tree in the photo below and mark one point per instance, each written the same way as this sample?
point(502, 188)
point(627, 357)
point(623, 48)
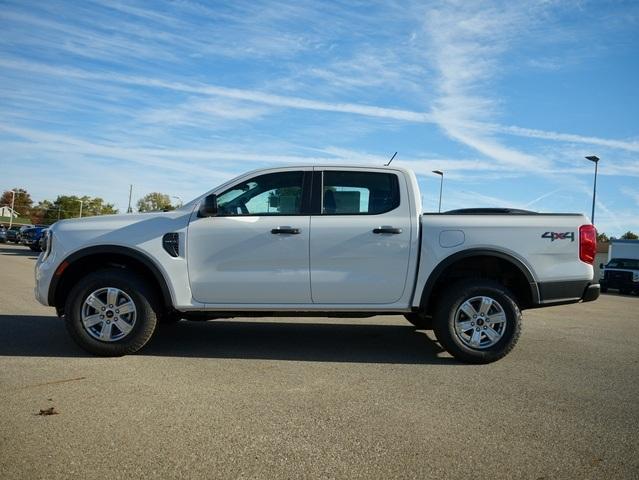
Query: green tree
point(602, 238)
point(23, 201)
point(68, 206)
point(630, 236)
point(155, 202)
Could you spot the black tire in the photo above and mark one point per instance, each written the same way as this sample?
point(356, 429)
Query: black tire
point(146, 304)
point(624, 291)
point(420, 320)
point(444, 321)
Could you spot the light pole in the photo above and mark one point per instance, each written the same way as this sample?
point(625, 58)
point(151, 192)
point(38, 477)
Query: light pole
point(594, 159)
point(81, 203)
point(129, 209)
point(441, 187)
point(13, 202)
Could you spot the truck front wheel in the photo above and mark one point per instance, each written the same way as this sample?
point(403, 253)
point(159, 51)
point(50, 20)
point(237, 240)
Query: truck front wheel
point(111, 312)
point(477, 321)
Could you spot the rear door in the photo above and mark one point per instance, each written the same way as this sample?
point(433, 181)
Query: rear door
point(256, 250)
point(360, 240)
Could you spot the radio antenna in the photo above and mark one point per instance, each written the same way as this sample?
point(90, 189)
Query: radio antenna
point(392, 158)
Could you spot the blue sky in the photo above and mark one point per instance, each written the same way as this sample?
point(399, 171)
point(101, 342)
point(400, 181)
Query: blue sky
point(505, 97)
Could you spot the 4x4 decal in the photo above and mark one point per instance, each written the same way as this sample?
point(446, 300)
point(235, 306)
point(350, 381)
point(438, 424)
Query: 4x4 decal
point(559, 236)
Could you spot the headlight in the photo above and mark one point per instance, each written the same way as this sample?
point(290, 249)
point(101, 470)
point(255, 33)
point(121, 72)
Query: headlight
point(48, 243)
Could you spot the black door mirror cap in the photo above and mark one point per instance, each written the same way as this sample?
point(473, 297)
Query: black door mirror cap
point(208, 207)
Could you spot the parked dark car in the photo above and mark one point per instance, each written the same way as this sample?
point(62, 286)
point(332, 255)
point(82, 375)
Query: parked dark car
point(31, 237)
point(12, 234)
point(3, 234)
point(23, 228)
point(43, 239)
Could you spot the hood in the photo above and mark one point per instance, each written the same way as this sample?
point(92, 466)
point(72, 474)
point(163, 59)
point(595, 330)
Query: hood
point(124, 229)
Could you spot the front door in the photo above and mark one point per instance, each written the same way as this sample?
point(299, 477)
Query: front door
point(256, 250)
point(360, 241)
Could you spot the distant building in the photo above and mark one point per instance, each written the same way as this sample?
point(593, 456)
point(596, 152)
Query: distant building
point(8, 212)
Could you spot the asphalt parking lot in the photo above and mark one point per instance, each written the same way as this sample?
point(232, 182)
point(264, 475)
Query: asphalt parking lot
point(317, 398)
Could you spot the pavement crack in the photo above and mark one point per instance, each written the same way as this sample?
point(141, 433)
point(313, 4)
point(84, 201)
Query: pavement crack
point(54, 382)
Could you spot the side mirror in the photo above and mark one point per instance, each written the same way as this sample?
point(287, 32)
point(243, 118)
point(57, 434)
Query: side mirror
point(208, 208)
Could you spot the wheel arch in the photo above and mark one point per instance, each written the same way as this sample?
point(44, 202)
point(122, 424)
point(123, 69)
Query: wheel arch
point(89, 259)
point(482, 263)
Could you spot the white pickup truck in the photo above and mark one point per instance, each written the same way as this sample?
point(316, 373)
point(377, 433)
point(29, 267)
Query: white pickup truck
point(340, 241)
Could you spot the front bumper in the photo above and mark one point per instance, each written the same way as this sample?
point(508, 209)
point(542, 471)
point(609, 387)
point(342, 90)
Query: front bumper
point(620, 284)
point(44, 271)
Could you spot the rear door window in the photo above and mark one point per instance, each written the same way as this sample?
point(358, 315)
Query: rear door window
point(359, 193)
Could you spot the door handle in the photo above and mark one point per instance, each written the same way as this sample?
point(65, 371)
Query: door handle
point(287, 230)
point(392, 230)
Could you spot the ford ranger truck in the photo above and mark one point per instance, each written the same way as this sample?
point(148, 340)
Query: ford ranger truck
point(339, 241)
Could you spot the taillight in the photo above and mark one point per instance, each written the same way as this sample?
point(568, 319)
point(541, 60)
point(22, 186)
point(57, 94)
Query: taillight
point(587, 243)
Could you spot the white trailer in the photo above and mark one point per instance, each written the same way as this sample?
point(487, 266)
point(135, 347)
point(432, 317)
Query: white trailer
point(623, 249)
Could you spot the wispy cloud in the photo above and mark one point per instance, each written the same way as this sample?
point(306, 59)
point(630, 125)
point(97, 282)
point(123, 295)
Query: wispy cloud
point(468, 131)
point(468, 39)
point(632, 193)
point(183, 95)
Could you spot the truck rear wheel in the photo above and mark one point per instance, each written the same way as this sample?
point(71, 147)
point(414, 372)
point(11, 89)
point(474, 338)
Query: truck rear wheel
point(111, 312)
point(477, 321)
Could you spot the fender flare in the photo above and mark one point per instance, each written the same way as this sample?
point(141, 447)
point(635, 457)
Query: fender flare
point(479, 252)
point(113, 249)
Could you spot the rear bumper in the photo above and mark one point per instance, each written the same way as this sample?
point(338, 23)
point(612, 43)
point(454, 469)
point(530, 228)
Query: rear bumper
point(572, 291)
point(591, 293)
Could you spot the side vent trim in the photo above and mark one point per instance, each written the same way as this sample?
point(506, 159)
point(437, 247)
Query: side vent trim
point(171, 243)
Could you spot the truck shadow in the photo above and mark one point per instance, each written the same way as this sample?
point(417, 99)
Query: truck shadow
point(19, 251)
point(24, 335)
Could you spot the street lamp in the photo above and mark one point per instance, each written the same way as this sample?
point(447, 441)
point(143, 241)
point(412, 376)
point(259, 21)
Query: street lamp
point(13, 202)
point(81, 202)
point(441, 186)
point(595, 159)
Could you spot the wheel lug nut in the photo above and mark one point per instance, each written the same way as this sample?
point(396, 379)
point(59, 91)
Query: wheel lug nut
point(101, 316)
point(474, 316)
point(478, 329)
point(472, 324)
point(110, 306)
point(103, 309)
point(117, 311)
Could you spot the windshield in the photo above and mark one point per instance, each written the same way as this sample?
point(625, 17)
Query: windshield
point(628, 263)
